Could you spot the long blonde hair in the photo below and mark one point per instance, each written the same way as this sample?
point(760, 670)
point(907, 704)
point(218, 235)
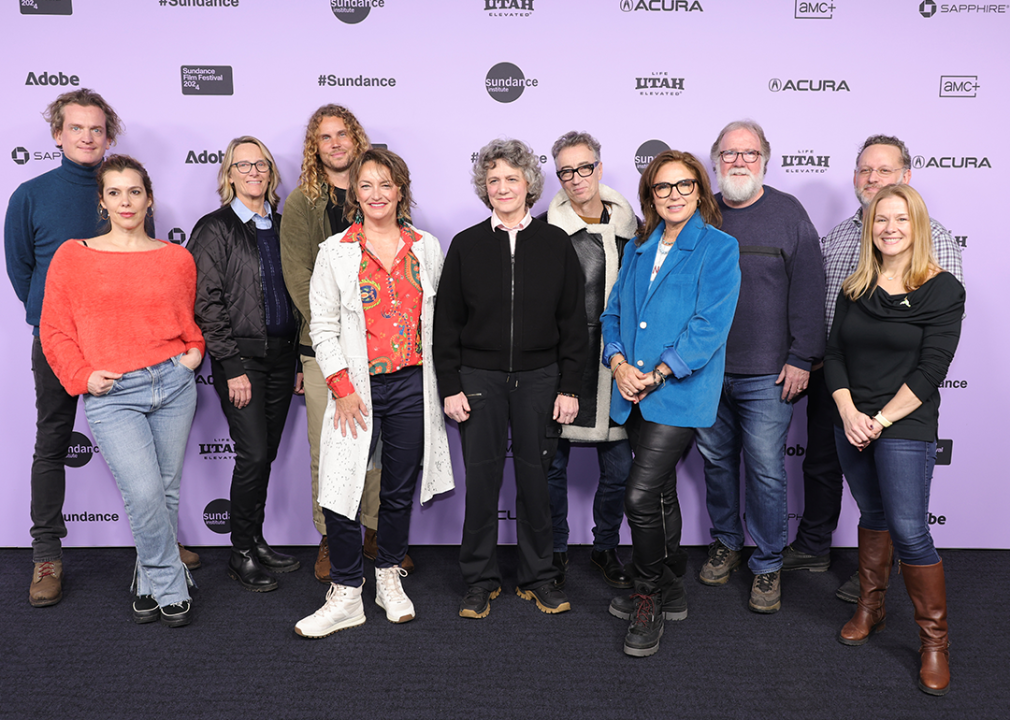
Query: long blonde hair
point(923, 265)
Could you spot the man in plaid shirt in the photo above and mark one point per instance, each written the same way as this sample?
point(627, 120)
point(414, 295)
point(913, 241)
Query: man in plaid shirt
point(882, 161)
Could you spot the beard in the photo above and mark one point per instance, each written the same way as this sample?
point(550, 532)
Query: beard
point(739, 184)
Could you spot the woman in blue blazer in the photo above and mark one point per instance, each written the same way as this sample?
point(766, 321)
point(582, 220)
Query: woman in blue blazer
point(664, 333)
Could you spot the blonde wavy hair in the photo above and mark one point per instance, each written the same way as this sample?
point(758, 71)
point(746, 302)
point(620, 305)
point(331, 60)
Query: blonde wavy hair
point(313, 177)
point(224, 187)
point(923, 265)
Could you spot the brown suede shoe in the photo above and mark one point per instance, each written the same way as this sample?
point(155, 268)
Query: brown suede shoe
point(189, 558)
point(370, 548)
point(47, 584)
point(322, 569)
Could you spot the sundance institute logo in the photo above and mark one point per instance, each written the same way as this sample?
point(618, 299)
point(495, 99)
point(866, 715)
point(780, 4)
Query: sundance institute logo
point(217, 516)
point(647, 152)
point(80, 451)
point(505, 82)
point(353, 11)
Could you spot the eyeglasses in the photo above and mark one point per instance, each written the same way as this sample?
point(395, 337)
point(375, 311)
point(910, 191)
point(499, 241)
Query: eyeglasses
point(244, 166)
point(749, 156)
point(684, 187)
point(884, 172)
point(583, 171)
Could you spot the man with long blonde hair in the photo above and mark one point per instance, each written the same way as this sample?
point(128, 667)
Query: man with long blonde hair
point(313, 212)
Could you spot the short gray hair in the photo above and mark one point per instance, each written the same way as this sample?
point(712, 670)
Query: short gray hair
point(572, 139)
point(766, 148)
point(517, 154)
point(906, 158)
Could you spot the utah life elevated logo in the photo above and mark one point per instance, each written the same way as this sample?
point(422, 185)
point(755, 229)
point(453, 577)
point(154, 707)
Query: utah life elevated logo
point(805, 161)
point(508, 8)
point(218, 449)
point(659, 83)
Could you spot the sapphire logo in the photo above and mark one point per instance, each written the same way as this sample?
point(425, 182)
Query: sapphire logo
point(960, 86)
point(354, 11)
point(505, 82)
point(47, 7)
point(806, 161)
point(19, 155)
point(80, 451)
point(647, 152)
point(661, 6)
point(177, 236)
point(217, 516)
point(805, 10)
point(920, 162)
point(776, 85)
point(927, 8)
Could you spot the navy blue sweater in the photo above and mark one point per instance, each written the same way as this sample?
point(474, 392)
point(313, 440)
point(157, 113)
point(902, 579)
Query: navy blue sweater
point(780, 315)
point(44, 213)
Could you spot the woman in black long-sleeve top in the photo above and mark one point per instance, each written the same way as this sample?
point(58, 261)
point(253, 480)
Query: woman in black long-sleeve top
point(896, 327)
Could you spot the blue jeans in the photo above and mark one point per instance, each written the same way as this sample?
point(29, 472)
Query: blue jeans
point(608, 504)
point(752, 417)
point(890, 481)
point(141, 427)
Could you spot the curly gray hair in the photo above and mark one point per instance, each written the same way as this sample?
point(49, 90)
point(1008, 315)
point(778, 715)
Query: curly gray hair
point(517, 154)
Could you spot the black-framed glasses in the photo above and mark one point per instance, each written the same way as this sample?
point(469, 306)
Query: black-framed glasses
point(749, 156)
point(684, 187)
point(244, 166)
point(583, 171)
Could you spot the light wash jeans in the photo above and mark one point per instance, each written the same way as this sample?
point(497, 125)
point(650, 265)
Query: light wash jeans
point(141, 427)
point(752, 417)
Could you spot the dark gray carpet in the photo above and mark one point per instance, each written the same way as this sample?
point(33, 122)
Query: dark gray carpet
point(85, 658)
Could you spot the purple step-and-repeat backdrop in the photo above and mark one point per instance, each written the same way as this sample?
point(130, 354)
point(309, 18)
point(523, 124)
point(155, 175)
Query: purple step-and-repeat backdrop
point(434, 81)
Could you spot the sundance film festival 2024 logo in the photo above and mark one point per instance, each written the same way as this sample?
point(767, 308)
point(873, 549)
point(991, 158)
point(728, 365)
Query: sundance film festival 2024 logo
point(354, 11)
point(47, 7)
point(207, 80)
point(505, 82)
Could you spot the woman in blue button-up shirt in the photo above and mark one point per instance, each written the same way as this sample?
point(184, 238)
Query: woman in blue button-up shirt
point(664, 333)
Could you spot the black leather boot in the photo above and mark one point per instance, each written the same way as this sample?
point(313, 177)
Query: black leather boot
point(271, 559)
point(244, 566)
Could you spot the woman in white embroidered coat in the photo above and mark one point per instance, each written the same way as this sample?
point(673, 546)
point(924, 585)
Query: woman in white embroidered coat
point(373, 297)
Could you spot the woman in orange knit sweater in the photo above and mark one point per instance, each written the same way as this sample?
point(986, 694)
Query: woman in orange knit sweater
point(117, 327)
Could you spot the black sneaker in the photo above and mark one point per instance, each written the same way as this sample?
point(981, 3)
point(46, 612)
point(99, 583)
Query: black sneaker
point(548, 597)
point(793, 559)
point(477, 602)
point(145, 609)
point(646, 628)
point(674, 607)
point(177, 614)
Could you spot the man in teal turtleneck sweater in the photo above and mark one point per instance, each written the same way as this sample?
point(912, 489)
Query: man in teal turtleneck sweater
point(43, 213)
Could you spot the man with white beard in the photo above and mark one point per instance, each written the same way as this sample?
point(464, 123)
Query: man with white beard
point(777, 334)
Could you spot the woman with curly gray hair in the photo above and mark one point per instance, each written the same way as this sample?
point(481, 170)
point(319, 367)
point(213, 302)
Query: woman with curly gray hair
point(509, 350)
